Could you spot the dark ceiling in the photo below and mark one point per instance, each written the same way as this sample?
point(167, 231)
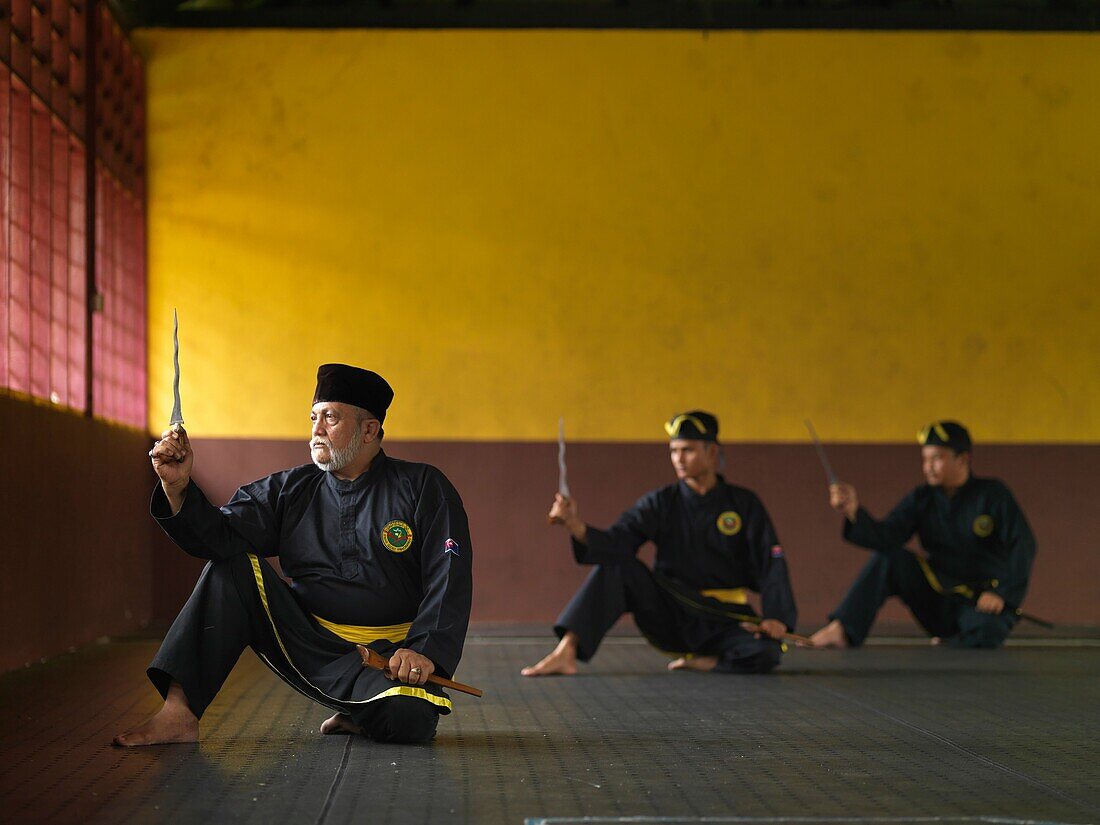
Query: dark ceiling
point(1036, 15)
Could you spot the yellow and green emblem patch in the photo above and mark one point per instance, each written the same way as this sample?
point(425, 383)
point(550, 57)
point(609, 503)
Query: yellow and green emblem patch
point(729, 523)
point(397, 536)
point(983, 526)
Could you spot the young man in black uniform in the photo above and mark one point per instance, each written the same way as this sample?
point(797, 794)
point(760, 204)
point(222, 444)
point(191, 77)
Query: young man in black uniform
point(378, 551)
point(978, 543)
point(713, 539)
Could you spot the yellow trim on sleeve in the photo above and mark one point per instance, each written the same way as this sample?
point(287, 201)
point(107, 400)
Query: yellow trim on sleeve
point(362, 635)
point(736, 595)
point(416, 692)
point(398, 690)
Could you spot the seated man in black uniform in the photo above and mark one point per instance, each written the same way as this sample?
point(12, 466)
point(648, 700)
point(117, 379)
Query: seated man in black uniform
point(378, 551)
point(979, 552)
point(713, 539)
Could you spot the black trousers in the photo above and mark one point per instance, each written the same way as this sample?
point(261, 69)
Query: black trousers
point(897, 573)
point(227, 613)
point(630, 587)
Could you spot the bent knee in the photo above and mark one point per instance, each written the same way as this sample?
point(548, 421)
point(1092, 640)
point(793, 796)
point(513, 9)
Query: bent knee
point(983, 631)
point(767, 660)
point(406, 721)
point(762, 661)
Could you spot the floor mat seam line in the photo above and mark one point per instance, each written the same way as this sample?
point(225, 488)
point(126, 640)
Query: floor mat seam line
point(334, 788)
point(788, 820)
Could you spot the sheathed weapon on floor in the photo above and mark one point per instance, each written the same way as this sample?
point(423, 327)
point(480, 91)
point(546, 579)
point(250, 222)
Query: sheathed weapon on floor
point(829, 474)
point(372, 658)
point(798, 638)
point(1029, 617)
point(972, 592)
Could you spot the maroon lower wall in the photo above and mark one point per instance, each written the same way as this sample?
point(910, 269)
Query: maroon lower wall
point(524, 570)
point(74, 531)
point(82, 559)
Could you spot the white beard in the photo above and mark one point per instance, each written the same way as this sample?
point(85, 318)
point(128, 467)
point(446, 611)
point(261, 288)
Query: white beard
point(338, 459)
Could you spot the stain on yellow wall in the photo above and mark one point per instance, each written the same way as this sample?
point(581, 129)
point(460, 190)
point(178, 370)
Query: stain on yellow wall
point(868, 229)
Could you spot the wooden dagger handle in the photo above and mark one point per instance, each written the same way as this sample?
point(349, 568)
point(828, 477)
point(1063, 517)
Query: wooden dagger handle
point(805, 641)
point(372, 658)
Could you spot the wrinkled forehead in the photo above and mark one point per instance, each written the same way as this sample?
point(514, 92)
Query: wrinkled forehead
point(337, 407)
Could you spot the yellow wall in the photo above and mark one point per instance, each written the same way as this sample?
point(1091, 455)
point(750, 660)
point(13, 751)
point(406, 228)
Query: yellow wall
point(869, 229)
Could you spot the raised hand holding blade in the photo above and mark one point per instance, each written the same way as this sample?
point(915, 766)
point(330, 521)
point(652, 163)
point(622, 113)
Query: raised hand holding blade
point(176, 421)
point(829, 474)
point(563, 482)
point(562, 498)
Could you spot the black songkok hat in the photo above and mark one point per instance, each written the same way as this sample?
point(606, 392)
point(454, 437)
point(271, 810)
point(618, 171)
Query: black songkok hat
point(950, 434)
point(351, 385)
point(695, 425)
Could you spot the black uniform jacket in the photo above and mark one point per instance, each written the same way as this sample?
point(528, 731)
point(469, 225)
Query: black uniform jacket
point(391, 547)
point(977, 536)
point(724, 539)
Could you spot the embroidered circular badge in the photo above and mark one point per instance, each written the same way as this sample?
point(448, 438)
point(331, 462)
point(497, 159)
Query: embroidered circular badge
point(397, 536)
point(983, 526)
point(729, 523)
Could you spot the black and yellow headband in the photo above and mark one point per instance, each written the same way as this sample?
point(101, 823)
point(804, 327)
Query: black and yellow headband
point(950, 434)
point(695, 425)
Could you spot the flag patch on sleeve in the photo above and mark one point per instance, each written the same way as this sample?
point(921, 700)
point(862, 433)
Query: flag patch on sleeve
point(777, 552)
point(450, 546)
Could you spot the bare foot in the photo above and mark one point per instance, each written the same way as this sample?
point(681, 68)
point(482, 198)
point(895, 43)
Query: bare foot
point(174, 722)
point(340, 723)
point(561, 662)
point(832, 635)
point(936, 641)
point(700, 663)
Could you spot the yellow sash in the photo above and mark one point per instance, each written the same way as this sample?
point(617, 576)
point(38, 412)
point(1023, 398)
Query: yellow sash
point(737, 595)
point(359, 635)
